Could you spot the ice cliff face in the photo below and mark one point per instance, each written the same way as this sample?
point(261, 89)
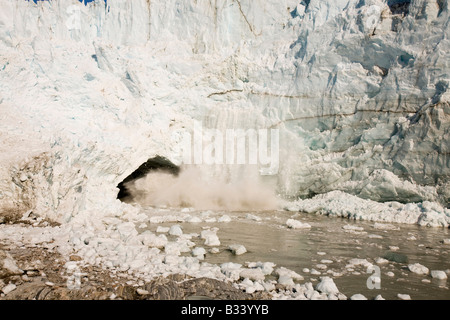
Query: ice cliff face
point(359, 90)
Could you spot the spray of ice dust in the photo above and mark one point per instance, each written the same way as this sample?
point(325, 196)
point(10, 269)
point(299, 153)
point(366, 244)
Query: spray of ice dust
point(191, 188)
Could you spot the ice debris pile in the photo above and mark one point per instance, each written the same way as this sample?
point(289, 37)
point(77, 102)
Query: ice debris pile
point(125, 253)
point(341, 204)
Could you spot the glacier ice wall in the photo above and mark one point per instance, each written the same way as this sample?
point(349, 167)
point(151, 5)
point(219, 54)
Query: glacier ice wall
point(358, 89)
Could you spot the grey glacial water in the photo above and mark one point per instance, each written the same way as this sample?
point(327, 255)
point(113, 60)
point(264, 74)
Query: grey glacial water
point(328, 246)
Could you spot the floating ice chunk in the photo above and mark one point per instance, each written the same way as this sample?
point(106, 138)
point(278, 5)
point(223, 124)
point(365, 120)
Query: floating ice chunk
point(380, 260)
point(327, 285)
point(358, 262)
point(326, 261)
point(295, 224)
point(237, 249)
point(404, 296)
point(305, 270)
point(390, 274)
point(446, 241)
point(375, 236)
point(385, 226)
point(250, 216)
point(212, 240)
point(358, 296)
point(175, 230)
point(438, 274)
point(214, 250)
point(282, 271)
point(162, 229)
point(351, 227)
point(199, 252)
point(334, 273)
point(210, 237)
point(224, 218)
point(379, 297)
point(418, 268)
point(159, 219)
point(252, 274)
point(194, 220)
point(321, 266)
point(321, 253)
point(230, 265)
point(314, 272)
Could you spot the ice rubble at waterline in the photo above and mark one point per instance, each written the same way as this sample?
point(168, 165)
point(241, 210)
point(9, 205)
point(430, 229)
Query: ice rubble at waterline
point(84, 104)
point(359, 93)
